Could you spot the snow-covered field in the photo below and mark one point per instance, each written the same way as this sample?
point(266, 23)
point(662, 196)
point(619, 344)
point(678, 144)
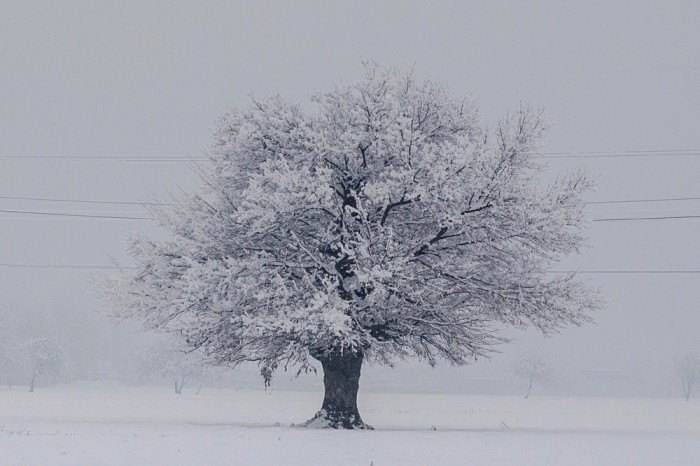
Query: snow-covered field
point(102, 425)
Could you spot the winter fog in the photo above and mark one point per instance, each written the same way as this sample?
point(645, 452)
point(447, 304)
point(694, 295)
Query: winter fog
point(107, 112)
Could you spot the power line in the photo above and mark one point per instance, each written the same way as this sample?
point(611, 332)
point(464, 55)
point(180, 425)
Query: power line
point(62, 266)
point(587, 72)
point(626, 272)
point(622, 154)
point(626, 201)
point(109, 202)
point(643, 151)
point(179, 158)
point(84, 201)
point(104, 159)
point(62, 214)
point(127, 217)
point(591, 272)
point(627, 219)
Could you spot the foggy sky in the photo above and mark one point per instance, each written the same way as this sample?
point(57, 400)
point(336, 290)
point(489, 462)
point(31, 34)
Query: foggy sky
point(133, 78)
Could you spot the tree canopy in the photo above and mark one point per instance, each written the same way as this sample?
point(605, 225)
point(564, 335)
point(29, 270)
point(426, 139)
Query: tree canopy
point(388, 222)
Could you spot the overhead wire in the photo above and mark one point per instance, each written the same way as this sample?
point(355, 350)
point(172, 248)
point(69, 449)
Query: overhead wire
point(126, 217)
point(586, 72)
point(627, 272)
point(588, 272)
point(62, 266)
point(103, 158)
point(183, 158)
point(134, 217)
point(137, 203)
point(628, 219)
point(621, 154)
point(628, 201)
point(65, 214)
point(83, 201)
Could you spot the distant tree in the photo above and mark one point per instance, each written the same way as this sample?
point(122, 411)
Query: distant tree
point(7, 361)
point(688, 369)
point(28, 334)
point(163, 360)
point(387, 225)
point(45, 357)
point(9, 346)
point(532, 368)
point(12, 359)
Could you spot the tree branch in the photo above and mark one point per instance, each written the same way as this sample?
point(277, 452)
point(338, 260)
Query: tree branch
point(440, 235)
point(392, 205)
point(477, 209)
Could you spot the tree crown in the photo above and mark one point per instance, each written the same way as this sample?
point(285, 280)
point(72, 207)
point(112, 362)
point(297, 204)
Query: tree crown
point(389, 222)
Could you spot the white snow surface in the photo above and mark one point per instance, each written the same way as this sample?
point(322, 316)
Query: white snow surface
point(114, 425)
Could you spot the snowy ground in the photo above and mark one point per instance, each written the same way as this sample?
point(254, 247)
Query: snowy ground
point(98, 425)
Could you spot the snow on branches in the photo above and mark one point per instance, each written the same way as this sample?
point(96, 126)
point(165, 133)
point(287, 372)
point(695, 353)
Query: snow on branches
point(388, 223)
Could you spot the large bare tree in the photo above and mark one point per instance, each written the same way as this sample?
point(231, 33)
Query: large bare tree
point(387, 224)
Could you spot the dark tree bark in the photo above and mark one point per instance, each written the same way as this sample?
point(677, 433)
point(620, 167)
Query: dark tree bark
point(529, 389)
point(179, 387)
point(341, 380)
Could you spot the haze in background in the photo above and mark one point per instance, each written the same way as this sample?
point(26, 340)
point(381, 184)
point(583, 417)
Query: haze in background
point(134, 79)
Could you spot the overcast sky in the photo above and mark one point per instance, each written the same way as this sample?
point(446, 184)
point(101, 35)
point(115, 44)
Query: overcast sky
point(146, 78)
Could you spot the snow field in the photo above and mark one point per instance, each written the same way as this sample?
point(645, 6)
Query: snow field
point(76, 425)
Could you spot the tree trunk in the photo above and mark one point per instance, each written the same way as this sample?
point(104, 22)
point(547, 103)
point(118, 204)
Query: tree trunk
point(529, 389)
point(341, 380)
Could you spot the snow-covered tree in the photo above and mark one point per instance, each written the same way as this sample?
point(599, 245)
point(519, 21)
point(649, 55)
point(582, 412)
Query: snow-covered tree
point(9, 346)
point(32, 344)
point(388, 224)
point(164, 360)
point(688, 369)
point(8, 360)
point(532, 368)
point(45, 357)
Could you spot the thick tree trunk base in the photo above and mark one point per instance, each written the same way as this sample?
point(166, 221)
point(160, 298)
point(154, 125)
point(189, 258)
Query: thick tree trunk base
point(341, 377)
point(335, 420)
